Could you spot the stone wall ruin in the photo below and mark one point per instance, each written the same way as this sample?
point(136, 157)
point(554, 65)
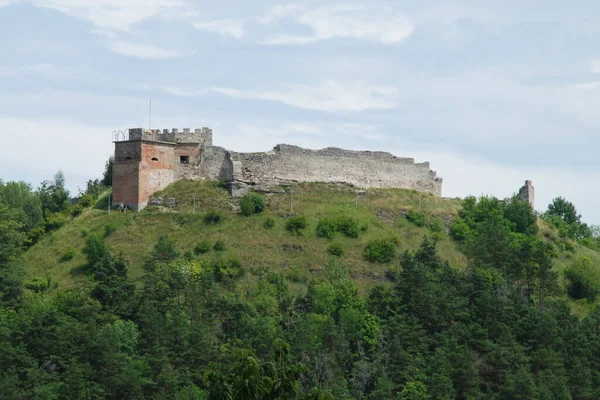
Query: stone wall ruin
point(148, 160)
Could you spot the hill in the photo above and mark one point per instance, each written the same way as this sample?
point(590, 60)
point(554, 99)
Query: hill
point(313, 297)
point(383, 213)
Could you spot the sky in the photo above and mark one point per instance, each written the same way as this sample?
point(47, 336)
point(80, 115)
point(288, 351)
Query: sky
point(490, 92)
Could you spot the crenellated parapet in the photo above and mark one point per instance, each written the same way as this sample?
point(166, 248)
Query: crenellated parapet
point(203, 136)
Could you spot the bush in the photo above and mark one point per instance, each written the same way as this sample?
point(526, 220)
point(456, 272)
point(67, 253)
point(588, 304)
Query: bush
point(37, 284)
point(269, 223)
point(436, 225)
point(55, 221)
point(416, 218)
point(296, 225)
point(335, 249)
point(252, 203)
point(85, 232)
point(86, 201)
point(202, 248)
point(225, 269)
point(348, 226)
point(583, 280)
point(381, 251)
point(328, 227)
point(219, 245)
point(77, 210)
point(213, 217)
point(68, 254)
point(95, 249)
point(109, 229)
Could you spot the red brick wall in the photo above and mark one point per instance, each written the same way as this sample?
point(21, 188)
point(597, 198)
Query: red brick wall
point(126, 173)
point(156, 169)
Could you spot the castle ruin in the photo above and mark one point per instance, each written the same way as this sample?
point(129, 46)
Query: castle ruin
point(147, 161)
point(526, 193)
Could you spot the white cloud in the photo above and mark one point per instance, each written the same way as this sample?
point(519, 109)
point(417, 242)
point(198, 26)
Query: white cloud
point(111, 14)
point(146, 51)
point(328, 96)
point(330, 22)
point(223, 27)
point(5, 3)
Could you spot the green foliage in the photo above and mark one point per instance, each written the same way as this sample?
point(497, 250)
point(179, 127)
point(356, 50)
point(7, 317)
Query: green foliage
point(107, 176)
point(380, 251)
point(328, 227)
point(583, 279)
point(226, 268)
point(202, 247)
point(436, 225)
point(77, 210)
point(37, 284)
point(213, 217)
point(55, 221)
point(68, 254)
point(53, 195)
point(86, 200)
point(109, 229)
point(95, 249)
point(335, 249)
point(164, 250)
point(563, 215)
point(296, 225)
point(219, 245)
point(416, 218)
point(252, 203)
point(269, 223)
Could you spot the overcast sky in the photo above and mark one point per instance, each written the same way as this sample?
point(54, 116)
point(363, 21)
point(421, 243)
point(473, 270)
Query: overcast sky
point(490, 92)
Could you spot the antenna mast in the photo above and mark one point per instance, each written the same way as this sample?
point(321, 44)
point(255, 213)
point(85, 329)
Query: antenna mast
point(150, 115)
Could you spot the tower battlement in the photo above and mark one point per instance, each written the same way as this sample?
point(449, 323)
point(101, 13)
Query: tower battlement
point(174, 135)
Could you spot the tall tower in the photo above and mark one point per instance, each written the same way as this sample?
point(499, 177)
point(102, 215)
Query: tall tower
point(143, 165)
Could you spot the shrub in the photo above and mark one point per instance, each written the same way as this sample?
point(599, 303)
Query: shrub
point(77, 210)
point(86, 201)
point(269, 223)
point(348, 226)
point(85, 232)
point(252, 203)
point(109, 229)
point(416, 218)
point(213, 217)
point(296, 225)
point(37, 284)
point(583, 280)
point(219, 245)
point(229, 268)
point(381, 251)
point(95, 249)
point(55, 221)
point(436, 225)
point(202, 248)
point(335, 249)
point(68, 254)
point(328, 227)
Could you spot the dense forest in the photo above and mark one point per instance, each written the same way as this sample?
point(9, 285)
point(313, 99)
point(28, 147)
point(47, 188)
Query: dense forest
point(197, 327)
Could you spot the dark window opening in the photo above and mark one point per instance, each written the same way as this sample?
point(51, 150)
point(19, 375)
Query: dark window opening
point(154, 159)
point(127, 158)
point(184, 159)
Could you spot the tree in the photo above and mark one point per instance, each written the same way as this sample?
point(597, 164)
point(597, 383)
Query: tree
point(107, 177)
point(53, 195)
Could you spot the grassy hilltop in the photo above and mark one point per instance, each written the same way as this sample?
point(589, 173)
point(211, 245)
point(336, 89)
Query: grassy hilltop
point(382, 213)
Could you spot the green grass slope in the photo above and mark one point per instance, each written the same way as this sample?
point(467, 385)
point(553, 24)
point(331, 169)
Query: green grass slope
point(299, 257)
